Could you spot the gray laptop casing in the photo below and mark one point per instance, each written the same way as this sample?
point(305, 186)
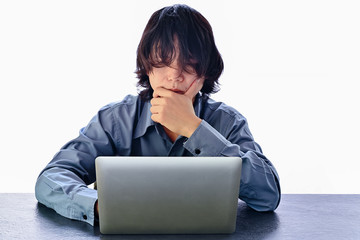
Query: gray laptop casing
point(168, 195)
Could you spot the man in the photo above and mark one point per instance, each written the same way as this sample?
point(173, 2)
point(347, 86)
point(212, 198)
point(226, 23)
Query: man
point(178, 66)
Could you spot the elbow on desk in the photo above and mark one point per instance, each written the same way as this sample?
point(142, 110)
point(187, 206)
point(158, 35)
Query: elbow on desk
point(44, 191)
point(265, 205)
point(263, 201)
point(271, 204)
point(39, 191)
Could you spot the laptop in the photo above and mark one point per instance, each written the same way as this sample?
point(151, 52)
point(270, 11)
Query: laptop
point(168, 195)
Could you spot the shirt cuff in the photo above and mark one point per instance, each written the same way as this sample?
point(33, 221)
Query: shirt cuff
point(206, 141)
point(84, 202)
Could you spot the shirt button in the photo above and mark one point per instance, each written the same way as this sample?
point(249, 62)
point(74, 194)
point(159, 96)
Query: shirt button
point(84, 217)
point(197, 151)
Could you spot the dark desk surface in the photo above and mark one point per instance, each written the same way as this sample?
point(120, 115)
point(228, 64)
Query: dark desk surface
point(298, 217)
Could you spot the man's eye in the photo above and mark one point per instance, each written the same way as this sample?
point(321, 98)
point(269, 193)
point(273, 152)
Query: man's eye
point(189, 69)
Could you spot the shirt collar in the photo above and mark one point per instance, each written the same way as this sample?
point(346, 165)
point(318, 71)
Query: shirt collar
point(145, 121)
point(198, 104)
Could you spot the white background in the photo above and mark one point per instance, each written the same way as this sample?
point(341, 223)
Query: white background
point(291, 68)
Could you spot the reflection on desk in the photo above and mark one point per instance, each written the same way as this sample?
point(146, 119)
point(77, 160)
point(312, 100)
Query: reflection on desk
point(299, 216)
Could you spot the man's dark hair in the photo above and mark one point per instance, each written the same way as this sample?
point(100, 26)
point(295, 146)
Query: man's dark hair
point(196, 45)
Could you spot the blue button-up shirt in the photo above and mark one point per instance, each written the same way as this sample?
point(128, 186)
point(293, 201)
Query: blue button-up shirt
point(126, 129)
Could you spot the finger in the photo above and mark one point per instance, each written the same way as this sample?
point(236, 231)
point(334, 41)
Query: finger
point(161, 92)
point(155, 114)
point(194, 88)
point(156, 101)
point(155, 109)
point(154, 117)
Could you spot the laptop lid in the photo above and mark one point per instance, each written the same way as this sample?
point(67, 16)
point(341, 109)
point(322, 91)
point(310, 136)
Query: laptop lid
point(168, 195)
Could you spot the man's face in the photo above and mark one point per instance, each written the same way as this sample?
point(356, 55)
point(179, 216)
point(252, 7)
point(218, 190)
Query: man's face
point(174, 78)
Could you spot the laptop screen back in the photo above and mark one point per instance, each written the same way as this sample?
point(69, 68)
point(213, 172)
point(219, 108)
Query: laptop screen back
point(167, 195)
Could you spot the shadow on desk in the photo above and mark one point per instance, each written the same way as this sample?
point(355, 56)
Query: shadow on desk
point(250, 225)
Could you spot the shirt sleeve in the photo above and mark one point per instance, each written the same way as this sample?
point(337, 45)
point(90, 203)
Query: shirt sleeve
point(63, 191)
point(259, 186)
point(62, 185)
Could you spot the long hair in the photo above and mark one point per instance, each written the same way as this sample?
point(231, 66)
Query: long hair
point(195, 41)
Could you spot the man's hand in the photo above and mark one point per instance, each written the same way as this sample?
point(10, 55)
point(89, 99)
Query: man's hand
point(175, 111)
point(96, 209)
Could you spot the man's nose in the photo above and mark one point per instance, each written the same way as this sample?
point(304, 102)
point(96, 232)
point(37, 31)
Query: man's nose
point(175, 75)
